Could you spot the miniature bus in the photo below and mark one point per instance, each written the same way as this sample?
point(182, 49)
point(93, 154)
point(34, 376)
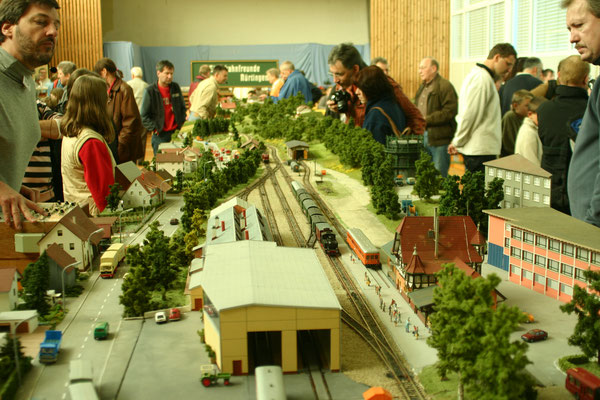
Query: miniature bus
point(583, 384)
point(109, 262)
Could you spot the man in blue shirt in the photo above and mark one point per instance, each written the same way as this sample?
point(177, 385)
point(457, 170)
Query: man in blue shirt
point(294, 82)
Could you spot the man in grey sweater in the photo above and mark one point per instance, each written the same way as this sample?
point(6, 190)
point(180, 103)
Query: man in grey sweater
point(28, 31)
point(583, 182)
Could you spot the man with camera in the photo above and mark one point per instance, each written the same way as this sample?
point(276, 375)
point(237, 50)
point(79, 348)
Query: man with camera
point(344, 63)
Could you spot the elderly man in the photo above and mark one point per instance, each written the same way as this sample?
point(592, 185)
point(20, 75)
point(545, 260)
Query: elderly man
point(204, 100)
point(344, 63)
point(28, 31)
point(583, 21)
point(163, 106)
point(381, 63)
point(295, 83)
point(138, 85)
point(437, 101)
point(479, 133)
point(64, 69)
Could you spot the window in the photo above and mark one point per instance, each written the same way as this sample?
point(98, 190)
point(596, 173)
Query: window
point(553, 265)
point(567, 249)
point(536, 197)
point(566, 289)
point(547, 183)
point(596, 258)
point(506, 242)
point(140, 192)
point(500, 173)
point(583, 254)
point(491, 171)
point(552, 284)
point(515, 270)
point(61, 246)
point(516, 234)
point(536, 181)
point(539, 279)
point(518, 176)
point(517, 192)
point(528, 237)
point(508, 175)
point(528, 256)
point(540, 241)
point(566, 270)
point(527, 179)
point(516, 253)
point(507, 204)
point(526, 194)
point(579, 275)
point(546, 199)
point(554, 245)
point(71, 246)
point(540, 260)
point(59, 232)
point(507, 190)
point(527, 275)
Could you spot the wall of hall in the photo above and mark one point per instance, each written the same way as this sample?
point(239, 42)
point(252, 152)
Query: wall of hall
point(235, 22)
point(405, 32)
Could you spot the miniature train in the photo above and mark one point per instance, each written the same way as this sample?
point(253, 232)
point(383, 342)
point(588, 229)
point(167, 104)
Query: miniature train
point(318, 223)
point(365, 251)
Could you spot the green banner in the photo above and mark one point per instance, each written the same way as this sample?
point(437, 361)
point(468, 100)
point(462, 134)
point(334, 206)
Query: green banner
point(246, 73)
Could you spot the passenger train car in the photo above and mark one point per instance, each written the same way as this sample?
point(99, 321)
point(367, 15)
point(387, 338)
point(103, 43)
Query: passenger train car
point(318, 223)
point(365, 251)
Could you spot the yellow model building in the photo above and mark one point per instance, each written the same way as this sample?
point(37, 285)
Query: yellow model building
point(258, 298)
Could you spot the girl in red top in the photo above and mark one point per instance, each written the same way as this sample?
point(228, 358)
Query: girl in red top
point(87, 163)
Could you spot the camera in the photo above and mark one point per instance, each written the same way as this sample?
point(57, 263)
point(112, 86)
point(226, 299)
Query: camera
point(341, 98)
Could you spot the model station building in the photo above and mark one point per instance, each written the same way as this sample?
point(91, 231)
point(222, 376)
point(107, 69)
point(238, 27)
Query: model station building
point(543, 249)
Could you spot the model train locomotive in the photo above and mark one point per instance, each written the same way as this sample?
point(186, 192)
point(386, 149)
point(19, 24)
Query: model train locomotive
point(318, 223)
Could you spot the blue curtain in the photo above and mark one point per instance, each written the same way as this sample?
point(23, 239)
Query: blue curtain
point(308, 57)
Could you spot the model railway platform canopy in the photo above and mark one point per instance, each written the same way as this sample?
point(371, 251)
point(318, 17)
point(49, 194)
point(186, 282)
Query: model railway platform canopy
point(252, 289)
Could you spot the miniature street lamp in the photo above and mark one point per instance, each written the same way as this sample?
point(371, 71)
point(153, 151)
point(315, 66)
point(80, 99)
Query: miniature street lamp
point(120, 213)
point(62, 278)
point(90, 245)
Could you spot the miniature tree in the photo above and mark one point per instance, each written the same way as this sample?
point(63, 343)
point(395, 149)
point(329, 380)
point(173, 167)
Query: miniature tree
point(135, 296)
point(188, 139)
point(179, 180)
point(467, 333)
point(35, 282)
point(7, 358)
point(494, 193)
point(586, 305)
point(449, 201)
point(113, 197)
point(156, 255)
point(428, 178)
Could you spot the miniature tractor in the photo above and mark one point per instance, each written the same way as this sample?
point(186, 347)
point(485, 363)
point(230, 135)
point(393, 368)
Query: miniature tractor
point(211, 375)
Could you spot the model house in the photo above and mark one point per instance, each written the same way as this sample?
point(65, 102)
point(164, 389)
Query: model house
point(58, 260)
point(9, 296)
point(24, 321)
point(147, 189)
point(170, 162)
point(525, 184)
point(423, 244)
point(126, 173)
point(543, 249)
point(191, 157)
point(255, 292)
point(75, 233)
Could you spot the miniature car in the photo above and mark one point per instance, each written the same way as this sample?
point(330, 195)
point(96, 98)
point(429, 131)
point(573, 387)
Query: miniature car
point(174, 221)
point(160, 317)
point(534, 335)
point(410, 181)
point(174, 314)
point(528, 317)
point(399, 181)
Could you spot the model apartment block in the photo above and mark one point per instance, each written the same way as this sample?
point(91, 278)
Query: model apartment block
point(525, 184)
point(543, 249)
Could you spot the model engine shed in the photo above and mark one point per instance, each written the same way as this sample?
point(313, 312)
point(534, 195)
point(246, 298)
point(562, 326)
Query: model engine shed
point(257, 300)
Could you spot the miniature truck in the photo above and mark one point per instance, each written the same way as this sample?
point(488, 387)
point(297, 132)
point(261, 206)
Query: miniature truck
point(50, 347)
point(211, 375)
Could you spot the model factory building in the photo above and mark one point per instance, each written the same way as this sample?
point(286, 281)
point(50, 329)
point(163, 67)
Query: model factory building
point(258, 298)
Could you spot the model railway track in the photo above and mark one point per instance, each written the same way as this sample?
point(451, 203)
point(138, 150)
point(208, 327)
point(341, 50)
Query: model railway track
point(268, 211)
point(314, 367)
point(260, 181)
point(292, 222)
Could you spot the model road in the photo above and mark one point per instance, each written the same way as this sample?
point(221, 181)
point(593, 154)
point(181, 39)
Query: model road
point(99, 303)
